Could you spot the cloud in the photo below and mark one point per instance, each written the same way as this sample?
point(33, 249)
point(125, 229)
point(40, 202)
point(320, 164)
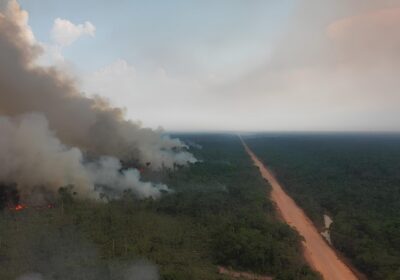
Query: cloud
point(64, 32)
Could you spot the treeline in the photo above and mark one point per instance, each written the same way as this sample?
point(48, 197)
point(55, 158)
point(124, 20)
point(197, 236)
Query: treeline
point(353, 178)
point(218, 214)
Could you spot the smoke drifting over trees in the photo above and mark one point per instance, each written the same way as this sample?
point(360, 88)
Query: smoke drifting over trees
point(44, 146)
point(33, 157)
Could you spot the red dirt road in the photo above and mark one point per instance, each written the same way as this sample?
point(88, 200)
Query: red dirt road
point(316, 251)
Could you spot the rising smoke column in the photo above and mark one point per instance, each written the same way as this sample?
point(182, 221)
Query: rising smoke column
point(47, 124)
point(88, 123)
point(32, 157)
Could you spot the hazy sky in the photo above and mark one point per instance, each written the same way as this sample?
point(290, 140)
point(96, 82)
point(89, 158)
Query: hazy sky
point(230, 64)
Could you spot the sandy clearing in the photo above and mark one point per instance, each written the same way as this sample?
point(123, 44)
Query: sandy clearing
point(316, 251)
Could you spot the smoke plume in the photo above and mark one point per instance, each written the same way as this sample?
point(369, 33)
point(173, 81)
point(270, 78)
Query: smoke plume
point(33, 157)
point(88, 123)
point(47, 126)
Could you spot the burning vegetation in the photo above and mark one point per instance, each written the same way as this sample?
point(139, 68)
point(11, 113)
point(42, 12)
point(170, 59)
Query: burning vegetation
point(48, 128)
point(215, 207)
point(10, 199)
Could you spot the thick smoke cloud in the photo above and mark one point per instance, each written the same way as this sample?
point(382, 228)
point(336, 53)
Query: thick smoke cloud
point(47, 126)
point(88, 123)
point(33, 158)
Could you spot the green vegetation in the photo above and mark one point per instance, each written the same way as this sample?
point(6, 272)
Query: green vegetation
point(218, 214)
point(353, 178)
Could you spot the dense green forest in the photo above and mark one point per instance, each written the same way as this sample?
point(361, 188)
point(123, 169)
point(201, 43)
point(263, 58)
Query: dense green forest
point(217, 214)
point(353, 178)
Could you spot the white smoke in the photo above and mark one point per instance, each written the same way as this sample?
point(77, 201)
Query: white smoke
point(107, 172)
point(32, 157)
point(46, 149)
point(91, 124)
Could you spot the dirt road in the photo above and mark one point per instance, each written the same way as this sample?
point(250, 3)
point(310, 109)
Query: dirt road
point(317, 252)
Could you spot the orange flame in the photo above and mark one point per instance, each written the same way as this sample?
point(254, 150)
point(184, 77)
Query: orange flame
point(19, 207)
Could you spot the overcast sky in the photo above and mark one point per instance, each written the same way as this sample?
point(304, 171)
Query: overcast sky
point(247, 65)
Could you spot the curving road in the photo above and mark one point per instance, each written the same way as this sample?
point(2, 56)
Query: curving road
point(316, 251)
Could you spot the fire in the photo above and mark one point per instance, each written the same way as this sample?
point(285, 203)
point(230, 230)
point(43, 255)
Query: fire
point(19, 207)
